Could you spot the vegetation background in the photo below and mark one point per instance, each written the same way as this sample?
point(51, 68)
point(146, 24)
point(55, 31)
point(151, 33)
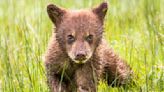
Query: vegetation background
point(134, 28)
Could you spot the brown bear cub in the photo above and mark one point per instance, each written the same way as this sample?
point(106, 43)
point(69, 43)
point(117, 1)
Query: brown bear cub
point(78, 57)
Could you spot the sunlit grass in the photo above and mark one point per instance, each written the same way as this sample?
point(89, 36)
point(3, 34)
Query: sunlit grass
point(134, 28)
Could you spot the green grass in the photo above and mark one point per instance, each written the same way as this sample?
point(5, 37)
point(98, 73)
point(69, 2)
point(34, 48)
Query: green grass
point(134, 28)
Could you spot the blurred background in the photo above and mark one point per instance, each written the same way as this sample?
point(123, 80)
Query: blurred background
point(133, 28)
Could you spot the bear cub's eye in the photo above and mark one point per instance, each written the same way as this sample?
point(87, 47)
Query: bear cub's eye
point(70, 39)
point(89, 38)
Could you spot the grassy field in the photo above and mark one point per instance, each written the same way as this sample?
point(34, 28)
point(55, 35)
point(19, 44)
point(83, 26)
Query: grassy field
point(134, 28)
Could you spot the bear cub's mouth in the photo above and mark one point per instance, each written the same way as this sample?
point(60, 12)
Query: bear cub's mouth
point(79, 58)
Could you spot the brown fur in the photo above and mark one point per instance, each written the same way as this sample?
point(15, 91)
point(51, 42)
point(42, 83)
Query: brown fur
point(63, 73)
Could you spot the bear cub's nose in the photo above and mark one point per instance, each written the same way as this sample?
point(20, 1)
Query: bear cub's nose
point(80, 56)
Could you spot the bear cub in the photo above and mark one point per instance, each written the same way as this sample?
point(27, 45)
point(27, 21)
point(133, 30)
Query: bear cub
point(78, 56)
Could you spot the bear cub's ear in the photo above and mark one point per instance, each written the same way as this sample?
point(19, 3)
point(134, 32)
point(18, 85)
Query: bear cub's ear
point(101, 10)
point(55, 13)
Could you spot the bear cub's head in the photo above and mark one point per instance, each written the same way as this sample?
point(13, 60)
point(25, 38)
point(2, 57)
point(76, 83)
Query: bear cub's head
point(78, 31)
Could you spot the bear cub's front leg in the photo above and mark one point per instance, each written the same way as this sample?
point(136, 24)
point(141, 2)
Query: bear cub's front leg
point(85, 80)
